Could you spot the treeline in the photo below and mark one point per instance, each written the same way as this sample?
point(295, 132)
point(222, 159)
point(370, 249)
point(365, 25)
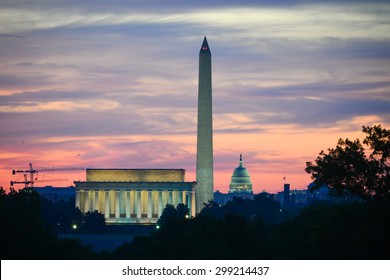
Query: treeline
point(64, 217)
point(25, 233)
point(241, 229)
point(320, 231)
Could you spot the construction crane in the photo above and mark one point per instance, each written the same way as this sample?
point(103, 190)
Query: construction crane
point(26, 182)
point(30, 183)
point(32, 171)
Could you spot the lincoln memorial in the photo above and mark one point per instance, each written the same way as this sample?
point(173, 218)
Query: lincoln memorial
point(130, 196)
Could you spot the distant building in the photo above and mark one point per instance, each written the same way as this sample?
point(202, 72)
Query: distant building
point(133, 196)
point(240, 185)
point(299, 198)
point(241, 181)
point(293, 198)
point(319, 194)
point(221, 198)
point(55, 194)
point(286, 196)
point(324, 193)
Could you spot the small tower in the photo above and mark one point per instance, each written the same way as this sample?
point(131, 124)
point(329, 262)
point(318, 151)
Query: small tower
point(286, 196)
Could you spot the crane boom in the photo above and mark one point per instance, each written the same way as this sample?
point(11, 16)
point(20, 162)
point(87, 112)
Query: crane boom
point(32, 171)
point(27, 183)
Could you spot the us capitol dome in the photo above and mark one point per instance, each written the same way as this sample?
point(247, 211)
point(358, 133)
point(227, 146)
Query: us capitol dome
point(241, 181)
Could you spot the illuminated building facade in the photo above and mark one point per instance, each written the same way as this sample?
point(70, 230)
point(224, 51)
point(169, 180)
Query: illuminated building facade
point(133, 196)
point(241, 181)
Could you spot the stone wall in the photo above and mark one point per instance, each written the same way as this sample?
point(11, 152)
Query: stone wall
point(135, 175)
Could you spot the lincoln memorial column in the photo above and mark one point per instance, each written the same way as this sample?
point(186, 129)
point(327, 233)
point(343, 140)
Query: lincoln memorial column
point(132, 202)
point(164, 198)
point(117, 206)
point(138, 204)
point(175, 198)
point(86, 201)
point(160, 203)
point(179, 197)
point(96, 200)
point(107, 205)
point(150, 204)
point(183, 197)
point(170, 197)
point(101, 201)
point(127, 203)
point(92, 197)
point(122, 205)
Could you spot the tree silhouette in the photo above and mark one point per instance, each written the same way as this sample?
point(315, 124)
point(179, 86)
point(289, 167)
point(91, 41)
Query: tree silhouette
point(348, 170)
point(94, 222)
point(213, 209)
point(182, 210)
point(261, 207)
point(173, 216)
point(333, 231)
point(25, 235)
point(23, 232)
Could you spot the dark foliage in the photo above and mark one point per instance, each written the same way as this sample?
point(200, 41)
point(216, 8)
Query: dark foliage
point(321, 231)
point(203, 237)
point(261, 207)
point(343, 231)
point(233, 231)
point(172, 215)
point(64, 217)
point(61, 216)
point(25, 235)
point(94, 222)
point(351, 169)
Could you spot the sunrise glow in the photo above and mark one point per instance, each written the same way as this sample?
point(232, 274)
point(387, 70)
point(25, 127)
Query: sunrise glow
point(116, 86)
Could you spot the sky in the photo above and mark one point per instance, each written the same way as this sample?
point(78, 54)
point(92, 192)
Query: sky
point(113, 84)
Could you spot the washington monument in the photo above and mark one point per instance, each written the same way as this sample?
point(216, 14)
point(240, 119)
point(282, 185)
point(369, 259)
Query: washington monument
point(204, 156)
